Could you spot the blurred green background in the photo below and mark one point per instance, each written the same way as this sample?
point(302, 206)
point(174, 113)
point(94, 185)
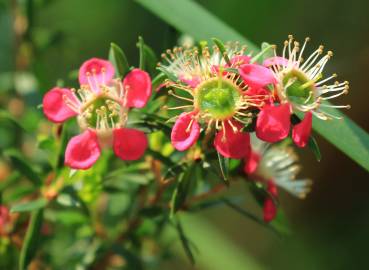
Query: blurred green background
point(331, 226)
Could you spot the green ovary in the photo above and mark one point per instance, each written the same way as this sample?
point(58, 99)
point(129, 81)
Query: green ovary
point(103, 106)
point(218, 97)
point(299, 90)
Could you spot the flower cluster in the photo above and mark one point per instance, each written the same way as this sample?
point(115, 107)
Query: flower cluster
point(101, 106)
point(228, 92)
point(244, 104)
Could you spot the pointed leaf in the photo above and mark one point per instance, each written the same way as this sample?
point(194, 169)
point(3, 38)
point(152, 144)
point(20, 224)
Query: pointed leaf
point(23, 166)
point(32, 238)
point(222, 50)
point(118, 59)
point(224, 168)
point(29, 206)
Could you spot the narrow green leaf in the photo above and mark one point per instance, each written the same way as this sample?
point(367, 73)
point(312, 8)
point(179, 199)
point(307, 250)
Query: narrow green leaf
point(29, 206)
point(141, 47)
point(23, 166)
point(169, 75)
point(151, 58)
point(222, 50)
point(157, 155)
point(32, 238)
point(313, 145)
point(174, 170)
point(6, 116)
point(182, 189)
point(266, 51)
point(10, 180)
point(185, 242)
point(191, 18)
point(249, 215)
point(119, 60)
point(224, 168)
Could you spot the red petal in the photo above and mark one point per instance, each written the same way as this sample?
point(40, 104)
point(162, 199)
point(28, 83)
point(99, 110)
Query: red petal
point(138, 88)
point(273, 123)
point(301, 131)
point(96, 68)
point(54, 106)
point(129, 143)
point(233, 144)
point(82, 151)
point(251, 162)
point(183, 138)
point(270, 209)
point(256, 76)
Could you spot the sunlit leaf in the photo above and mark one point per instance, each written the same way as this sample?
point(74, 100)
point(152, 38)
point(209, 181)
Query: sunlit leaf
point(29, 206)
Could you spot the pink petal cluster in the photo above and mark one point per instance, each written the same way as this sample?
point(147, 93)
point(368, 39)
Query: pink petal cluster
point(274, 124)
point(83, 150)
point(227, 142)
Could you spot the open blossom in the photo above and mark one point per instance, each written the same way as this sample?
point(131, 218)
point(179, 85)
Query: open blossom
point(275, 166)
point(101, 106)
point(299, 87)
point(217, 97)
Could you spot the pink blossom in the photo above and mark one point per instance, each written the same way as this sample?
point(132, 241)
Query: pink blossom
point(101, 106)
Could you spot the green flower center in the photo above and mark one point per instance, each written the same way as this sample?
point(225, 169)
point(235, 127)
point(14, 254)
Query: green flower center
point(218, 97)
point(299, 89)
point(102, 113)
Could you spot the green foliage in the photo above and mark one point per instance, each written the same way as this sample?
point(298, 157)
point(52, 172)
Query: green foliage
point(119, 60)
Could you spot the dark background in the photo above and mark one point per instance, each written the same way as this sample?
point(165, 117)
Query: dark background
point(331, 226)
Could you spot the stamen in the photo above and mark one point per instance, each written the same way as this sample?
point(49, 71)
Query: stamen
point(170, 92)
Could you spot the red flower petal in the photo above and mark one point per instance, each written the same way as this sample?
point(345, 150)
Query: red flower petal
point(270, 209)
point(100, 70)
point(232, 144)
point(273, 123)
point(82, 151)
point(54, 106)
point(129, 143)
point(138, 88)
point(256, 76)
point(301, 131)
point(183, 138)
point(251, 162)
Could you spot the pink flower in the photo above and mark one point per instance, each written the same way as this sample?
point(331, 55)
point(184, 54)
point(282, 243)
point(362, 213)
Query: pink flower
point(220, 100)
point(101, 106)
